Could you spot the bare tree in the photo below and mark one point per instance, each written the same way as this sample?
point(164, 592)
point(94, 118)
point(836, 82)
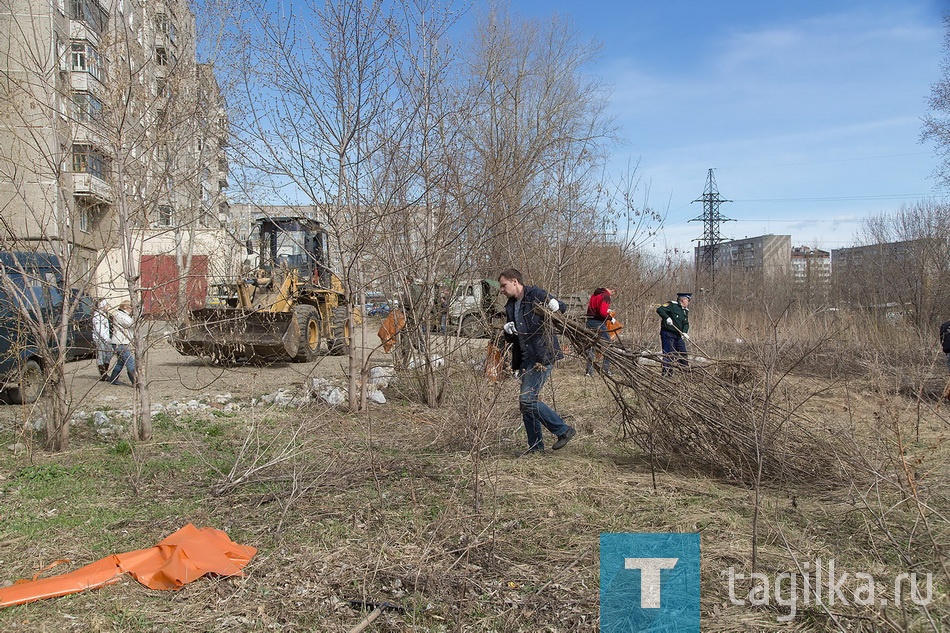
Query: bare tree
point(535, 132)
point(936, 126)
point(51, 189)
point(905, 263)
point(99, 143)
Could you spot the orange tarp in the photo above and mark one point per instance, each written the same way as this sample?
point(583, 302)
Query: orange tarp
point(186, 555)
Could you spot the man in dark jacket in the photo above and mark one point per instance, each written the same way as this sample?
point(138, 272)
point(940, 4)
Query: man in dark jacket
point(674, 325)
point(945, 341)
point(533, 353)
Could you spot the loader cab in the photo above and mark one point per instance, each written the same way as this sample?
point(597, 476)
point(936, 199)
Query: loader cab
point(295, 244)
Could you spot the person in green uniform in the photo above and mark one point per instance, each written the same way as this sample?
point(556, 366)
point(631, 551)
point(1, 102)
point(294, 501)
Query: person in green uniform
point(674, 325)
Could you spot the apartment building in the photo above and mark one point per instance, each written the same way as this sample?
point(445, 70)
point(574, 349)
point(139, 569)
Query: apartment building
point(811, 265)
point(108, 128)
point(751, 259)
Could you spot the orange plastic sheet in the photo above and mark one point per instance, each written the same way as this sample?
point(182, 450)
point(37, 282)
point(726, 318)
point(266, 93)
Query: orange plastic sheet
point(186, 555)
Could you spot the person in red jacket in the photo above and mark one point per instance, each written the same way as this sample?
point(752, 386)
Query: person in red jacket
point(598, 315)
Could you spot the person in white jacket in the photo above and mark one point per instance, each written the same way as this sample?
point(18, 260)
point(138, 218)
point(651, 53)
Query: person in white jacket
point(102, 337)
point(122, 333)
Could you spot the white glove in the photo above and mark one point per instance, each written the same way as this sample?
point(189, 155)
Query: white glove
point(669, 320)
point(554, 305)
point(686, 336)
point(510, 328)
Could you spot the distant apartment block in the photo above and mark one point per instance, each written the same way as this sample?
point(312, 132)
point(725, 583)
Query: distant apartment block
point(105, 106)
point(752, 258)
point(811, 265)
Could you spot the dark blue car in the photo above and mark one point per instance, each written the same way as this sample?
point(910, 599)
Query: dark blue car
point(31, 300)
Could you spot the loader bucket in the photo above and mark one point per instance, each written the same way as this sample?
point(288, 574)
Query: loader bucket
point(230, 334)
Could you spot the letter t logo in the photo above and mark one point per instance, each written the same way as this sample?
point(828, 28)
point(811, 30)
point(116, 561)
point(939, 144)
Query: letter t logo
point(649, 578)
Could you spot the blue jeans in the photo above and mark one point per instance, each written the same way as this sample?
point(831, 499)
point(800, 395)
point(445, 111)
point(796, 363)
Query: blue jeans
point(674, 350)
point(533, 411)
point(127, 360)
point(600, 326)
point(104, 352)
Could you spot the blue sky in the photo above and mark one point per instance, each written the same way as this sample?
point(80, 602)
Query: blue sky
point(808, 110)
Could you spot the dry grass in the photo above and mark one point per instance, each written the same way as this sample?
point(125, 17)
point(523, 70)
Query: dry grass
point(434, 510)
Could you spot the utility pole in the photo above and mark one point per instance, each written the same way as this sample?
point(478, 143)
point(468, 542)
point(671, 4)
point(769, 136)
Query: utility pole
point(711, 219)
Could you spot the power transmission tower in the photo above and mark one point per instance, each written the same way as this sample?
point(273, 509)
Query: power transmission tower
point(711, 219)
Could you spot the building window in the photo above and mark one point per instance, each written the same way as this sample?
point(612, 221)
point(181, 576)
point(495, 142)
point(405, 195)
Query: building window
point(87, 160)
point(84, 218)
point(164, 215)
point(62, 57)
point(85, 58)
point(86, 107)
point(161, 56)
point(90, 13)
point(164, 26)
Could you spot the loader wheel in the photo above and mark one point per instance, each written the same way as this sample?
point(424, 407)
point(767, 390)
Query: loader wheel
point(308, 319)
point(341, 332)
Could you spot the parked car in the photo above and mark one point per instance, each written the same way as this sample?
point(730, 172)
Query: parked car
point(31, 293)
point(377, 309)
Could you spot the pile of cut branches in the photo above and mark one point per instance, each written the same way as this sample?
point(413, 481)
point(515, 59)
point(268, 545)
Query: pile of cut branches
point(722, 417)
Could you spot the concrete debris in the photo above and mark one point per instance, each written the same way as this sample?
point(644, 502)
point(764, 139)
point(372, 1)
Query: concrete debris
point(328, 392)
point(380, 377)
point(435, 360)
point(281, 398)
point(17, 448)
point(223, 398)
point(106, 427)
point(376, 396)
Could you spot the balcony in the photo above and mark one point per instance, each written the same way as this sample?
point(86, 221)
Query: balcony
point(89, 133)
point(87, 16)
point(93, 188)
point(79, 30)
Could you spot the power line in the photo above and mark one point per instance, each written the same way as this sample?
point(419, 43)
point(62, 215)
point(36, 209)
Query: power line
point(889, 196)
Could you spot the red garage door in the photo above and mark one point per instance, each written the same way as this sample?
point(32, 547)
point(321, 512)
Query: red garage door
point(160, 282)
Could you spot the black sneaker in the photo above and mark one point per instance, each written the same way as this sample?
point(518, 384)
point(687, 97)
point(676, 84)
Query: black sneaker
point(564, 439)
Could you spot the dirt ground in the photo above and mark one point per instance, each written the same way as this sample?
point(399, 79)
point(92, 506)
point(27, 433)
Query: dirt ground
point(175, 378)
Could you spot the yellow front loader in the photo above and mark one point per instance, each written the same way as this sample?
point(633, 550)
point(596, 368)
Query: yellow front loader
point(288, 307)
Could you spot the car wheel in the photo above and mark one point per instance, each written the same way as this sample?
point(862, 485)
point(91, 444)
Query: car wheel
point(32, 380)
point(472, 327)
